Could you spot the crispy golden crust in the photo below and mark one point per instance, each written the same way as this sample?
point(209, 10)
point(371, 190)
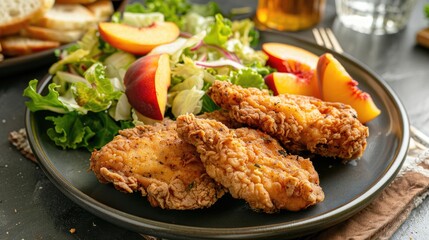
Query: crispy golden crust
point(223, 117)
point(156, 162)
point(252, 165)
point(300, 123)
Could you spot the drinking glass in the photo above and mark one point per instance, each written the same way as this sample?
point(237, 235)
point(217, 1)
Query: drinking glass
point(375, 16)
point(289, 15)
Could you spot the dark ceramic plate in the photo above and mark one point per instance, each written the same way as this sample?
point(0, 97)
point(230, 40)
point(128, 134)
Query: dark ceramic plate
point(27, 62)
point(348, 187)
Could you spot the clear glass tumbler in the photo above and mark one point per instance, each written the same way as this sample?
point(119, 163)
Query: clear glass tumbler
point(375, 16)
point(289, 15)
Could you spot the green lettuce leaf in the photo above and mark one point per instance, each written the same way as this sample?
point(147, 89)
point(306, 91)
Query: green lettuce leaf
point(49, 102)
point(96, 95)
point(90, 131)
point(248, 77)
point(208, 105)
point(69, 131)
point(72, 58)
point(219, 31)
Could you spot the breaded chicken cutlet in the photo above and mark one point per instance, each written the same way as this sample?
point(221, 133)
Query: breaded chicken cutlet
point(154, 161)
point(252, 165)
point(300, 123)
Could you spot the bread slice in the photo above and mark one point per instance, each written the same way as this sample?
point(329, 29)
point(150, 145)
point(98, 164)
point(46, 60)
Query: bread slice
point(16, 14)
point(67, 17)
point(102, 9)
point(18, 45)
point(63, 36)
point(46, 6)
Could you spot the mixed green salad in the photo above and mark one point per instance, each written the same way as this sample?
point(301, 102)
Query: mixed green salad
point(86, 103)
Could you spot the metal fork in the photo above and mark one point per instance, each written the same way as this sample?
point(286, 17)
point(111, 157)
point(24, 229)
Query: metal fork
point(325, 37)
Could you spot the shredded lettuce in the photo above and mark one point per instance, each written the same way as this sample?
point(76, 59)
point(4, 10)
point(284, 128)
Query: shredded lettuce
point(121, 109)
point(192, 41)
point(118, 63)
point(187, 101)
point(185, 95)
point(142, 19)
point(98, 93)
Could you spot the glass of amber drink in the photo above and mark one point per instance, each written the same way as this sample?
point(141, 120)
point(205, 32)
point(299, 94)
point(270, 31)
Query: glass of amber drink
point(289, 15)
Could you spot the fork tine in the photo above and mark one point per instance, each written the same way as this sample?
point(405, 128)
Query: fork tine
point(317, 36)
point(325, 38)
point(334, 41)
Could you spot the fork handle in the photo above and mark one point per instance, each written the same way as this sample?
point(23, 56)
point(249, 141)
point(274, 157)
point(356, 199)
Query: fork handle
point(419, 136)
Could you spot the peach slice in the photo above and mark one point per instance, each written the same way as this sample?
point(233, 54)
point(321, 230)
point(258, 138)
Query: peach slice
point(295, 60)
point(338, 86)
point(135, 40)
point(281, 83)
point(146, 84)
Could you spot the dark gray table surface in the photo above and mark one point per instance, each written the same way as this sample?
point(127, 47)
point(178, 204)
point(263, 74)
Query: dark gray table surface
point(31, 207)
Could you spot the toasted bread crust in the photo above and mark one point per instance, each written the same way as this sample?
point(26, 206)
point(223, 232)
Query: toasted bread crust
point(17, 45)
point(67, 17)
point(16, 15)
point(52, 34)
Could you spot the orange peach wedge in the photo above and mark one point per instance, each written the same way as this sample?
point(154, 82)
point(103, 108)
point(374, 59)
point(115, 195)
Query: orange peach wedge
point(300, 62)
point(281, 82)
point(338, 86)
point(135, 40)
point(146, 84)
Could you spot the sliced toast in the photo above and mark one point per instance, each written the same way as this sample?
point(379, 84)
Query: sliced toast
point(102, 9)
point(63, 36)
point(67, 17)
point(18, 45)
point(16, 14)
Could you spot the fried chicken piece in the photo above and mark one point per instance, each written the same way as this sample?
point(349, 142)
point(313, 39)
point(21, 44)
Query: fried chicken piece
point(252, 165)
point(156, 162)
point(300, 123)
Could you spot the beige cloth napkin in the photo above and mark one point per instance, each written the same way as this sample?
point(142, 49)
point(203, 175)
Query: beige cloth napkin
point(379, 220)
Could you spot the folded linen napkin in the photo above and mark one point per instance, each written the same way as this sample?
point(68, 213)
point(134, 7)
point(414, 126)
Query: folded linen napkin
point(379, 220)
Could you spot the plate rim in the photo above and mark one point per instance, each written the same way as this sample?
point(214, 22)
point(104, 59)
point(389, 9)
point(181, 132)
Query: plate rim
point(293, 228)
